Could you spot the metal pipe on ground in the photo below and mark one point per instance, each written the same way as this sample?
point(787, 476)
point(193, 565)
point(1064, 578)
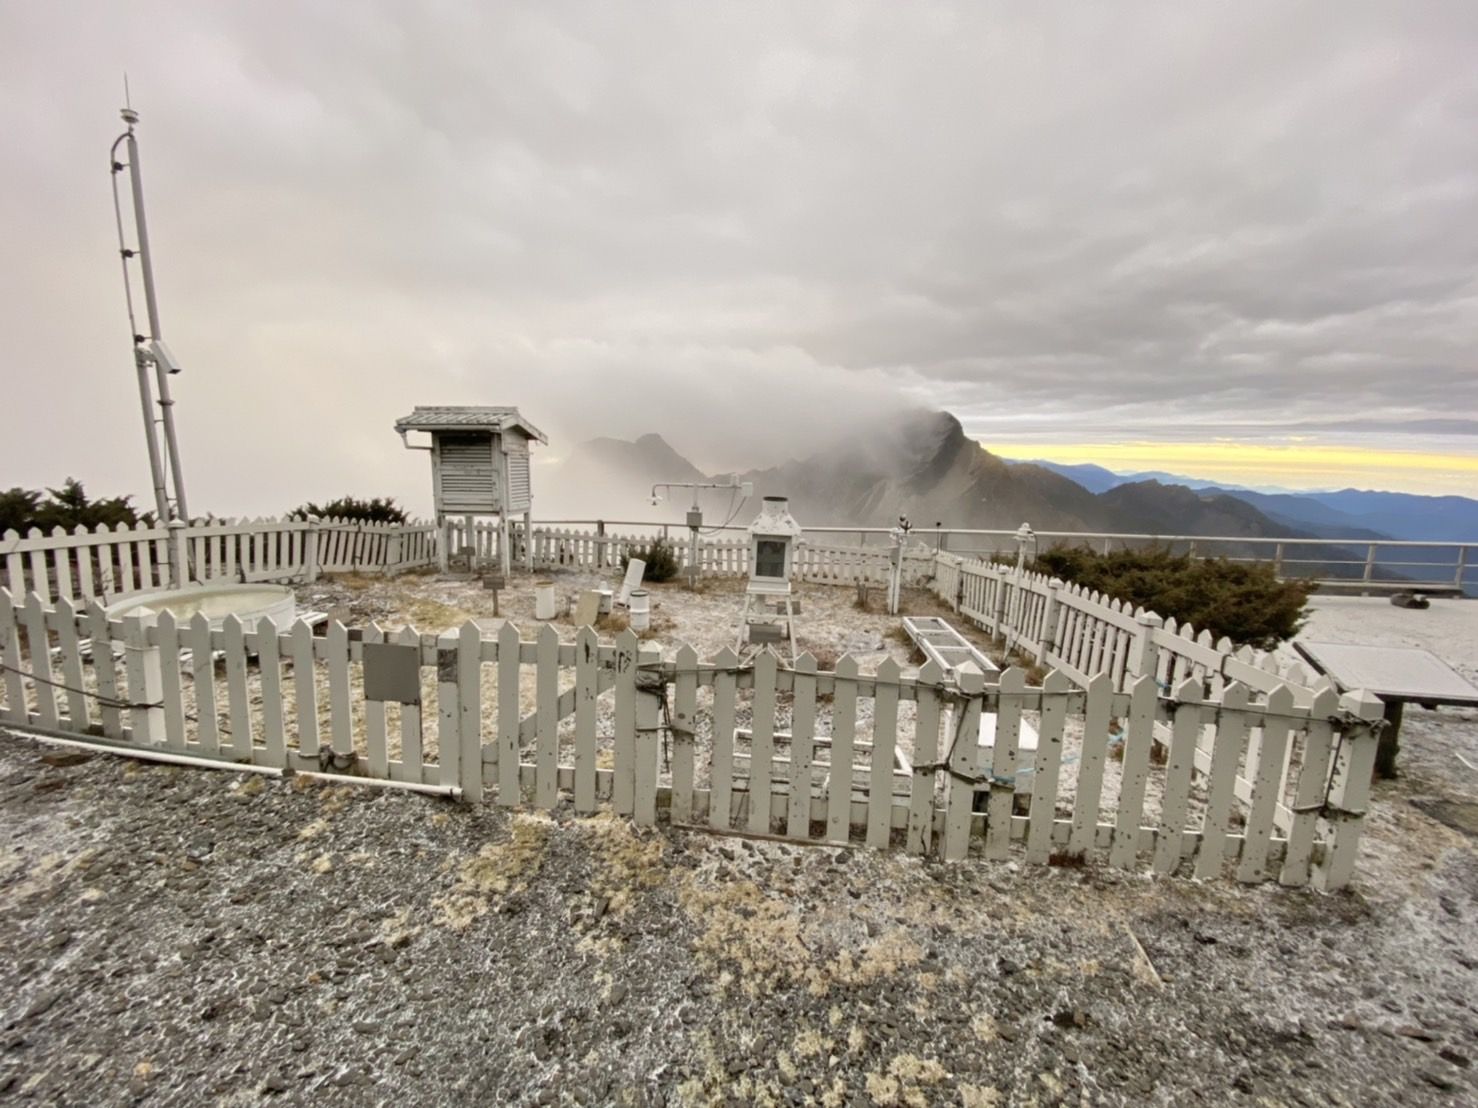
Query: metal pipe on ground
point(167, 758)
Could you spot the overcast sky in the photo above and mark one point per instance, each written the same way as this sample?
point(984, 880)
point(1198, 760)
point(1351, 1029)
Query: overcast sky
point(743, 225)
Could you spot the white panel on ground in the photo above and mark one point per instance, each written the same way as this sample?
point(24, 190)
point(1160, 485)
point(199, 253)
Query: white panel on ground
point(1390, 672)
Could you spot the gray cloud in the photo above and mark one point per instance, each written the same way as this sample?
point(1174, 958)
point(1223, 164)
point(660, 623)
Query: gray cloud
point(742, 225)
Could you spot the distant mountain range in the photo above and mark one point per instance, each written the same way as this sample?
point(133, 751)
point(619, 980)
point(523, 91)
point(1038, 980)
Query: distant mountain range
point(923, 466)
point(1346, 513)
point(918, 464)
point(1095, 478)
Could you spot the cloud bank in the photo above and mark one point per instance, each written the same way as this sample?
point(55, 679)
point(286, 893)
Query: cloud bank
point(745, 226)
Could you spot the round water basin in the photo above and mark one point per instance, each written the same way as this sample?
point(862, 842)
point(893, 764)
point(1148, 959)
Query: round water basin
point(247, 603)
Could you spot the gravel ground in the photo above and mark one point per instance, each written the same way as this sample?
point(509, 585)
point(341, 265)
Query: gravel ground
point(183, 936)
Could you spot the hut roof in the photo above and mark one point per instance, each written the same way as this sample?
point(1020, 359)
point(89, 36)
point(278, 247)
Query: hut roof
point(443, 417)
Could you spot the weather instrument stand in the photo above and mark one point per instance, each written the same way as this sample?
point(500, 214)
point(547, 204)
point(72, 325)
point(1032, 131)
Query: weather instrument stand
point(693, 571)
point(149, 350)
point(767, 625)
point(772, 541)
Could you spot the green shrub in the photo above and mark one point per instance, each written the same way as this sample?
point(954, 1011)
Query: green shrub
point(1243, 601)
point(382, 509)
point(68, 506)
point(661, 559)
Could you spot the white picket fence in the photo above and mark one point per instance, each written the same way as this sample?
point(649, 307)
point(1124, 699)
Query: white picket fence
point(1088, 637)
point(598, 549)
point(108, 562)
point(1259, 787)
point(1082, 633)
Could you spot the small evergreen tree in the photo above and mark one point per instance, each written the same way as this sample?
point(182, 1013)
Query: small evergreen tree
point(661, 560)
point(67, 507)
point(1244, 601)
point(381, 509)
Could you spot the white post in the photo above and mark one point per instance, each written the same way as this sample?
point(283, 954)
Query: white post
point(650, 695)
point(1144, 652)
point(1349, 790)
point(528, 540)
point(693, 571)
point(310, 551)
point(504, 541)
point(145, 682)
point(895, 571)
point(998, 626)
point(1048, 642)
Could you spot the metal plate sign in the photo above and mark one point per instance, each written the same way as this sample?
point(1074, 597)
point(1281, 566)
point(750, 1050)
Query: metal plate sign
point(392, 672)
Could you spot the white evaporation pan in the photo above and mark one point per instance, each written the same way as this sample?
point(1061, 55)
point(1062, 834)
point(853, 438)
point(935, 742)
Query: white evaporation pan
point(248, 603)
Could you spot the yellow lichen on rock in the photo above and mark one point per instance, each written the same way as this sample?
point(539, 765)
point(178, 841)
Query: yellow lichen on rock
point(335, 798)
point(901, 1082)
point(495, 870)
point(757, 935)
point(836, 1095)
point(917, 1071)
point(979, 1096)
point(892, 952)
point(625, 863)
point(810, 1043)
point(883, 1090)
point(396, 930)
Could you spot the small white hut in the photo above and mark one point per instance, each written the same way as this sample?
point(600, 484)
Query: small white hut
point(479, 466)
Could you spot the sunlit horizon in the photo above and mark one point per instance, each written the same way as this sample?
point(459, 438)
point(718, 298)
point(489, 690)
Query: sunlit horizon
point(1300, 466)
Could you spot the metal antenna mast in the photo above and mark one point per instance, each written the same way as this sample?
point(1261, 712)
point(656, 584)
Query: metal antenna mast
point(164, 459)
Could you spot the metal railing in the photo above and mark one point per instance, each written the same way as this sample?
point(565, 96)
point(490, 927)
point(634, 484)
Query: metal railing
point(1379, 563)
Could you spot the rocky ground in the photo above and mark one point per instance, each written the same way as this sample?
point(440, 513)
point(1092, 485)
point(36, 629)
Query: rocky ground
point(181, 936)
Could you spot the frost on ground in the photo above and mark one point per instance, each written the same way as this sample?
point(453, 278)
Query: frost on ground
point(180, 936)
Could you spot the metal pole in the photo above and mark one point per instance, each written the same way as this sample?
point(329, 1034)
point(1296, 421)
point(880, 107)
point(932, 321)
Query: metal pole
point(172, 443)
point(151, 437)
point(140, 356)
point(151, 306)
point(141, 228)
